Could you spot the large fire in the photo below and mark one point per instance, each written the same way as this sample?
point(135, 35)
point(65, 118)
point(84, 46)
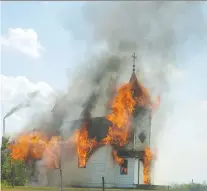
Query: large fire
point(84, 145)
point(35, 145)
point(28, 146)
point(118, 134)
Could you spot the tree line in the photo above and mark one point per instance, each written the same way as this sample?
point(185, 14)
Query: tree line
point(12, 172)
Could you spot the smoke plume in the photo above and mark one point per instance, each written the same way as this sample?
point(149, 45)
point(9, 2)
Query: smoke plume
point(159, 33)
point(156, 32)
point(16, 108)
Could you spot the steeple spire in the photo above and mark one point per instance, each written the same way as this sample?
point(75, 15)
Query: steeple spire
point(134, 58)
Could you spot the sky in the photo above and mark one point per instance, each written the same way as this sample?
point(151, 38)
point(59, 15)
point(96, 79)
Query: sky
point(52, 50)
point(39, 51)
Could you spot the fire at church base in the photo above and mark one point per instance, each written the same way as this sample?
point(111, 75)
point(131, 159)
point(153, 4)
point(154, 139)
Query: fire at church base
point(110, 150)
point(101, 165)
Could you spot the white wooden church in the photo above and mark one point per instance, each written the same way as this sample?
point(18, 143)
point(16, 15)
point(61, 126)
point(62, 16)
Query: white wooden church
point(101, 164)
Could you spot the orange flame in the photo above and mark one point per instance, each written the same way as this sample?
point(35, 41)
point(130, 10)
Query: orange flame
point(118, 134)
point(122, 108)
point(123, 104)
point(118, 159)
point(84, 145)
point(147, 165)
point(120, 131)
point(29, 145)
point(33, 145)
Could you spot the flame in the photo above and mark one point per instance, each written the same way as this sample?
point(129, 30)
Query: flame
point(84, 145)
point(33, 145)
point(119, 132)
point(118, 159)
point(125, 100)
point(147, 165)
point(122, 107)
point(29, 145)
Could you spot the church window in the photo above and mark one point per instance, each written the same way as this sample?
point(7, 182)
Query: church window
point(124, 168)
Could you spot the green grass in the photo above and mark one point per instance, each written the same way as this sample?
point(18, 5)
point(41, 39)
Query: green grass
point(20, 188)
point(184, 187)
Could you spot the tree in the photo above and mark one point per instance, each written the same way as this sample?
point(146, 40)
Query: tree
point(10, 168)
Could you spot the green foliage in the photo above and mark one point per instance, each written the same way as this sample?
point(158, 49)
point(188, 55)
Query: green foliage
point(17, 169)
point(4, 183)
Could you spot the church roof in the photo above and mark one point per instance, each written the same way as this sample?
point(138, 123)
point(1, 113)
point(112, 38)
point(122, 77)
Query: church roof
point(140, 91)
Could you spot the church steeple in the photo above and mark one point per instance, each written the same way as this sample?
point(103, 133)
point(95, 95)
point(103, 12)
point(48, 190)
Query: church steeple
point(134, 58)
point(138, 89)
point(133, 78)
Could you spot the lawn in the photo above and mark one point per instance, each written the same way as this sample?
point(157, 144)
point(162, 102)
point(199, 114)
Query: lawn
point(43, 189)
point(58, 189)
point(19, 188)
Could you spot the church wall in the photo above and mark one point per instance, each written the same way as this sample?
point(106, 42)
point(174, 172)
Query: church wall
point(101, 165)
point(136, 171)
point(97, 167)
point(141, 174)
point(125, 180)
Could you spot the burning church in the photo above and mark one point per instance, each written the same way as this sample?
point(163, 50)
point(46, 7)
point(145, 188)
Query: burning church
point(115, 146)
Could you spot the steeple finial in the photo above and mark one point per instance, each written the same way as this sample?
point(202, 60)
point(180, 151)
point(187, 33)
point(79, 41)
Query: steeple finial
point(134, 58)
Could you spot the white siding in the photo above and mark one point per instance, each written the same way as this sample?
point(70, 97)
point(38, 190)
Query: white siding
point(101, 165)
point(141, 174)
point(136, 171)
point(97, 168)
point(125, 180)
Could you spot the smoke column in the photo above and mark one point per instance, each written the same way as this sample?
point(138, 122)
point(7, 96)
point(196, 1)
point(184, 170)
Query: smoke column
point(167, 36)
point(158, 32)
point(20, 106)
point(31, 96)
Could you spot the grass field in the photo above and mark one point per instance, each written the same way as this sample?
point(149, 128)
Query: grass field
point(18, 188)
point(58, 189)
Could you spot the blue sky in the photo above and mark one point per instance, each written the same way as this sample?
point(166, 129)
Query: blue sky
point(52, 59)
point(53, 23)
point(62, 52)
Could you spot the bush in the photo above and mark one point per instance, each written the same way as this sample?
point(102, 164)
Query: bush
point(18, 168)
point(4, 183)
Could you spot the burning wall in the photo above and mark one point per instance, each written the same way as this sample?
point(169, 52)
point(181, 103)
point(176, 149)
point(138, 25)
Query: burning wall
point(115, 129)
point(121, 129)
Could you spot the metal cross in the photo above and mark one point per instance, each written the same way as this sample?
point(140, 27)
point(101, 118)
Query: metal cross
point(134, 58)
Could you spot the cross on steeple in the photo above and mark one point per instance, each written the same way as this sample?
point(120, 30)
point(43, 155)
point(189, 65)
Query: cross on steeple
point(134, 58)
